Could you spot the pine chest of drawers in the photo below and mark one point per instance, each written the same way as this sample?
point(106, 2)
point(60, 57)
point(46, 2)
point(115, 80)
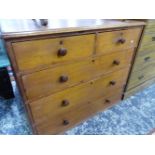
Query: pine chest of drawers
point(70, 70)
point(143, 73)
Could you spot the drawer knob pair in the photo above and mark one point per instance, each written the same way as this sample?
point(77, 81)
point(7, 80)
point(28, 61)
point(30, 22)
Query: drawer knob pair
point(65, 103)
point(65, 122)
point(112, 83)
point(63, 78)
point(116, 62)
point(62, 52)
point(121, 41)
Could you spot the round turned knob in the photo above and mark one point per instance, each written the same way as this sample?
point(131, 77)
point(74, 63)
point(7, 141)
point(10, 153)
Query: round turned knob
point(62, 52)
point(141, 77)
point(44, 22)
point(121, 40)
point(65, 122)
point(112, 82)
point(107, 101)
point(65, 103)
point(63, 78)
point(116, 62)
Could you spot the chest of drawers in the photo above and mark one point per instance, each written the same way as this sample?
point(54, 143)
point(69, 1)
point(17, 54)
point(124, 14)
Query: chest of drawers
point(67, 73)
point(143, 73)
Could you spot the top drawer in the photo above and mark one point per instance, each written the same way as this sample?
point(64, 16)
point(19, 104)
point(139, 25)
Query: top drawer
point(117, 40)
point(40, 53)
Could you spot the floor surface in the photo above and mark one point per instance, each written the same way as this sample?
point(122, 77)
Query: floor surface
point(134, 116)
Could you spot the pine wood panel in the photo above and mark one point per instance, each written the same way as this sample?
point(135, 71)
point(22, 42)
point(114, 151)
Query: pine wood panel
point(45, 82)
point(109, 41)
point(40, 53)
point(143, 69)
point(77, 114)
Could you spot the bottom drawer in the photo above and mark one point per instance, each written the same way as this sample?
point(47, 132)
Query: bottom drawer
point(139, 88)
point(60, 123)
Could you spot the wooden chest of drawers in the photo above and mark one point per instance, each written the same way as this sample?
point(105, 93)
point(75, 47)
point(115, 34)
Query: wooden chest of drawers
point(143, 73)
point(70, 72)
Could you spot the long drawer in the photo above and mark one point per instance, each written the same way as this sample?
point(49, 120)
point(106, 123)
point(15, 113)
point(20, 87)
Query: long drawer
point(117, 40)
point(61, 122)
point(40, 53)
point(58, 103)
point(49, 81)
point(141, 76)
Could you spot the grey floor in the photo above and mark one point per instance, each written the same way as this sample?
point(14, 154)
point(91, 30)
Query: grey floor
point(134, 116)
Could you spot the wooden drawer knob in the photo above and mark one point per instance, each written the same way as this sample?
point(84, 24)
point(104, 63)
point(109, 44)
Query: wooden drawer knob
point(141, 77)
point(65, 103)
point(147, 59)
point(112, 83)
point(107, 101)
point(153, 38)
point(116, 62)
point(44, 22)
point(121, 41)
point(63, 78)
point(62, 52)
point(65, 122)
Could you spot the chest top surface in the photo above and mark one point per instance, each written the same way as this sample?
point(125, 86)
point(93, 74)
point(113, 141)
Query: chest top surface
point(27, 27)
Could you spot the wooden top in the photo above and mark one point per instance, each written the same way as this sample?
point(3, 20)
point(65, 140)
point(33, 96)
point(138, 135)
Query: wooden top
point(28, 27)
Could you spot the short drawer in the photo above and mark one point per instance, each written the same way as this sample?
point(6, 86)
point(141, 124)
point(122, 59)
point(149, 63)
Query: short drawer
point(52, 80)
point(138, 77)
point(41, 53)
point(60, 102)
point(57, 124)
point(117, 40)
point(144, 60)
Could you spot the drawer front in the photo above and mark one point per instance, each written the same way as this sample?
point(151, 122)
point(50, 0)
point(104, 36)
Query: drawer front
point(148, 39)
point(146, 48)
point(141, 76)
point(139, 88)
point(117, 40)
point(48, 81)
point(59, 102)
point(41, 53)
point(144, 60)
point(60, 123)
